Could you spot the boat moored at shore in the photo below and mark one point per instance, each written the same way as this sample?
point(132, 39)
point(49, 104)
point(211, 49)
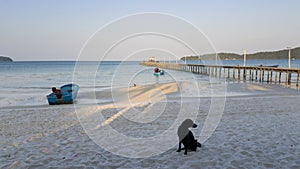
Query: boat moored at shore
point(66, 94)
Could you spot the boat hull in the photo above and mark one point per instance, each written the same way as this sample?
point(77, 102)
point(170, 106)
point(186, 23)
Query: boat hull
point(159, 73)
point(268, 66)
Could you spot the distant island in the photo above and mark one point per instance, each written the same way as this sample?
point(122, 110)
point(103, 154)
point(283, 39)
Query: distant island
point(5, 59)
point(281, 54)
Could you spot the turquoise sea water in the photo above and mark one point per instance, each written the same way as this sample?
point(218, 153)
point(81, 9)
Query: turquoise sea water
point(28, 83)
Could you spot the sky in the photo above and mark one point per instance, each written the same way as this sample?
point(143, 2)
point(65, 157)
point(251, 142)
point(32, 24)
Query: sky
point(34, 30)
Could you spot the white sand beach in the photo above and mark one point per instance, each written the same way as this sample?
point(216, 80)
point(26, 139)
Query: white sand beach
point(260, 128)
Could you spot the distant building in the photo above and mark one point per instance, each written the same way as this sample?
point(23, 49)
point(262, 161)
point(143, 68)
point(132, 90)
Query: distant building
point(151, 59)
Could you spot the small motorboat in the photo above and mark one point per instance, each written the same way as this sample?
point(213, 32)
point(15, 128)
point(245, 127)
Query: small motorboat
point(268, 66)
point(160, 72)
point(66, 94)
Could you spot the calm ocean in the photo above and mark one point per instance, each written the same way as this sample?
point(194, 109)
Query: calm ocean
point(28, 83)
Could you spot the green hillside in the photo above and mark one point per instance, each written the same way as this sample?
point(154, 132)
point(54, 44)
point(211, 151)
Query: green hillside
point(281, 54)
point(5, 59)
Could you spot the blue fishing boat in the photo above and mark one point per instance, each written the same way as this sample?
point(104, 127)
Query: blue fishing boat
point(66, 94)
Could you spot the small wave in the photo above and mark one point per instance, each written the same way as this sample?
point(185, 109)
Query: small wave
point(23, 100)
point(33, 87)
point(93, 86)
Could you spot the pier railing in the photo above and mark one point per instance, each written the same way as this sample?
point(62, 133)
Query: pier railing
point(287, 76)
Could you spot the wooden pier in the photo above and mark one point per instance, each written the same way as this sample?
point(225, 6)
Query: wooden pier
point(285, 76)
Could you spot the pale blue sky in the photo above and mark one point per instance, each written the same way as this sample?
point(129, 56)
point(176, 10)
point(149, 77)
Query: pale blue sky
point(57, 29)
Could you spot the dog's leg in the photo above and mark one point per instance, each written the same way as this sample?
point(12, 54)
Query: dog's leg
point(185, 151)
point(179, 147)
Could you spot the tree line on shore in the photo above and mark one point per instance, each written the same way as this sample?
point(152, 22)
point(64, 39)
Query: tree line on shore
point(281, 54)
point(5, 59)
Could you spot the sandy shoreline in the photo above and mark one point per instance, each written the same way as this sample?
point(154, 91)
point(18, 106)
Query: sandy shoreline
point(257, 131)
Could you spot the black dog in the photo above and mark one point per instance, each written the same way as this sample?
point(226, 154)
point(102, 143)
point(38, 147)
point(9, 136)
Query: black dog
point(186, 137)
